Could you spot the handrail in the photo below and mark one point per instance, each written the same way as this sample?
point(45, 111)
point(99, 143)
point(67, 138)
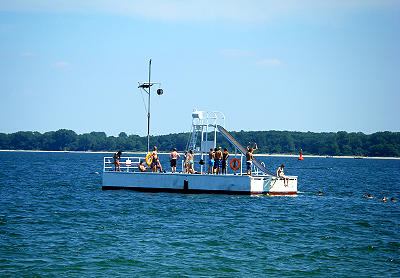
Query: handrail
point(242, 149)
point(126, 163)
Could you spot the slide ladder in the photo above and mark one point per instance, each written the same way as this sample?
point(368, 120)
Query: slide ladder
point(242, 150)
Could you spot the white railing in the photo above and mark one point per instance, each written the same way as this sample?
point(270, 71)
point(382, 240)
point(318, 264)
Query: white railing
point(126, 164)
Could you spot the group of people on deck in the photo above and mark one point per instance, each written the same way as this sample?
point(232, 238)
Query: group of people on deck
point(217, 163)
point(173, 159)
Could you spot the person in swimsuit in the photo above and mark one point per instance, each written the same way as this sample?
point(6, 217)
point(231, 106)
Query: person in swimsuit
point(211, 157)
point(173, 157)
point(155, 163)
point(116, 158)
point(225, 156)
point(185, 162)
point(191, 162)
point(280, 174)
point(250, 157)
point(218, 160)
point(368, 196)
point(141, 167)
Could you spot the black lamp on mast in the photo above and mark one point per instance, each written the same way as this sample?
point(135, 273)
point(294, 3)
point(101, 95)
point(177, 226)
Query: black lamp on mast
point(146, 86)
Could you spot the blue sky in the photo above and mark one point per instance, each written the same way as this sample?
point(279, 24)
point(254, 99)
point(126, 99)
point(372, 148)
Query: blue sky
point(267, 65)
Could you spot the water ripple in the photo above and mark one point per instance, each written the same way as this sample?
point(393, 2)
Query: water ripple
point(56, 221)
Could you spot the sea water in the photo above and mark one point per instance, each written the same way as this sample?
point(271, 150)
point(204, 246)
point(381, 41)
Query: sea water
point(55, 220)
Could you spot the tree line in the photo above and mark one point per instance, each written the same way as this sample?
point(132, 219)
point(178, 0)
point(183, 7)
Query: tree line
point(279, 142)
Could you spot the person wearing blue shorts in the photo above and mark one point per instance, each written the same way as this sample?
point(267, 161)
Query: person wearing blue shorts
point(218, 161)
point(211, 156)
point(191, 162)
point(249, 157)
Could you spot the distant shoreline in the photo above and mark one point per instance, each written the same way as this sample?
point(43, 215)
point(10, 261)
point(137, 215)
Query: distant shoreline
point(272, 155)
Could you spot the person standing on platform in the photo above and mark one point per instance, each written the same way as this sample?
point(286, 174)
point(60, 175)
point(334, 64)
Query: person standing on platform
point(211, 157)
point(191, 162)
point(185, 162)
point(225, 156)
point(218, 160)
point(250, 157)
point(173, 157)
point(155, 163)
point(116, 158)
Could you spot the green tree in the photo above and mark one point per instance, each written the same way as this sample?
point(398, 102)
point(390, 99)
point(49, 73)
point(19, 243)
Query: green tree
point(63, 138)
point(4, 141)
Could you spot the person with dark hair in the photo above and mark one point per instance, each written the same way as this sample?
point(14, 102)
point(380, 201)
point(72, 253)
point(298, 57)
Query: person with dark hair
point(280, 174)
point(211, 156)
point(185, 162)
point(368, 196)
point(191, 162)
point(141, 167)
point(116, 158)
point(173, 157)
point(225, 156)
point(155, 163)
point(250, 157)
point(218, 161)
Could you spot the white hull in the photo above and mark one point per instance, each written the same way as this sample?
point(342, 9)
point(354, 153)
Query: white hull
point(197, 183)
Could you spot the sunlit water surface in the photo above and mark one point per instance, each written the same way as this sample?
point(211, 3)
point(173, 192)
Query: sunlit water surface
point(56, 220)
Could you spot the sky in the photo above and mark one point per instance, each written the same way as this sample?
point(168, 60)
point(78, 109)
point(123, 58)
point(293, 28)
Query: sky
point(319, 66)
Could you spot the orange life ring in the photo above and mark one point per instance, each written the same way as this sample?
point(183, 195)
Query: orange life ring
point(235, 164)
point(149, 159)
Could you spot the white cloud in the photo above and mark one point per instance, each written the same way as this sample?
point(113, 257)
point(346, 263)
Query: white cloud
point(61, 65)
point(269, 62)
point(199, 10)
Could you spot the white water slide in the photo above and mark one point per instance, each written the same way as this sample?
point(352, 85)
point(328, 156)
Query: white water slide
point(242, 150)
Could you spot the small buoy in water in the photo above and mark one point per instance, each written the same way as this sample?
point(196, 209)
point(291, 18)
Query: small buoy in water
point(301, 156)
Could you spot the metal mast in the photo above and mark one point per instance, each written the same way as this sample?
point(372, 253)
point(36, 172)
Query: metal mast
point(144, 86)
point(148, 112)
